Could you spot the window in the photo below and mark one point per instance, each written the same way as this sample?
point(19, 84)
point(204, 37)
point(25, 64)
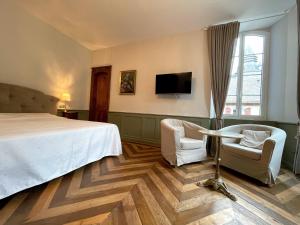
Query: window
point(246, 97)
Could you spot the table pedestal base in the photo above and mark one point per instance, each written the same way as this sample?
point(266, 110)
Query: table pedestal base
point(218, 185)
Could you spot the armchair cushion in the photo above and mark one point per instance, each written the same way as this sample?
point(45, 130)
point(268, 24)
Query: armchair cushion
point(189, 143)
point(243, 151)
point(254, 139)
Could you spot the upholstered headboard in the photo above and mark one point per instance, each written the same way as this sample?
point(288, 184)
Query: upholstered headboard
point(17, 99)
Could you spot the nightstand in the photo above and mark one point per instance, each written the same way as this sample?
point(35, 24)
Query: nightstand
point(70, 115)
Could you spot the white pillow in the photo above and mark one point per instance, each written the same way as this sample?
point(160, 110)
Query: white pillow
point(254, 139)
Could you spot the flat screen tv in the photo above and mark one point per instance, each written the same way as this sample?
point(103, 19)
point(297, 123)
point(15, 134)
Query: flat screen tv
point(174, 83)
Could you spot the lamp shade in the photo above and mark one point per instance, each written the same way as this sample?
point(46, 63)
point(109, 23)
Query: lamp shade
point(66, 97)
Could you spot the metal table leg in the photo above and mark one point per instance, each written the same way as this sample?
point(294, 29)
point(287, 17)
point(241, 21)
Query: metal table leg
point(217, 183)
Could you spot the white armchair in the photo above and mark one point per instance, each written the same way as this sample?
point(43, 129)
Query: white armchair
point(181, 143)
point(263, 165)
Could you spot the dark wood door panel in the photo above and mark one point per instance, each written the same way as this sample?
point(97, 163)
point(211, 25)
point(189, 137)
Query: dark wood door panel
point(100, 93)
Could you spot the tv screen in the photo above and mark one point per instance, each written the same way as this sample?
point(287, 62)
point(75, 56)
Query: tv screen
point(180, 83)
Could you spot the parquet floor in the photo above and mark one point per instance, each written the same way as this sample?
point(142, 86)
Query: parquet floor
point(139, 187)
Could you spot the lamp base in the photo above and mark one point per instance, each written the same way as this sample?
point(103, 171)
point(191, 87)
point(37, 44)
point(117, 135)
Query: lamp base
point(65, 108)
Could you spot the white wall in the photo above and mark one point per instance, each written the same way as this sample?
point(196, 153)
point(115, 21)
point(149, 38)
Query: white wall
point(277, 70)
point(290, 112)
point(180, 53)
point(283, 70)
point(35, 55)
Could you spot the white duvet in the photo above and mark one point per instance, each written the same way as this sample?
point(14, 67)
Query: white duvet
point(38, 147)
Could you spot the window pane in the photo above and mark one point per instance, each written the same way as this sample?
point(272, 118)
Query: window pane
point(252, 85)
point(231, 100)
point(232, 89)
point(237, 48)
point(230, 105)
point(252, 76)
point(251, 106)
point(246, 99)
point(235, 66)
point(253, 44)
point(253, 64)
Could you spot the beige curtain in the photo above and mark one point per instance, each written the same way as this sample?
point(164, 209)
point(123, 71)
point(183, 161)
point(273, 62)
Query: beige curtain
point(296, 168)
point(221, 40)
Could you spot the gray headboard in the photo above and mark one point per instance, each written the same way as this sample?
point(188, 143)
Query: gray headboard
point(17, 99)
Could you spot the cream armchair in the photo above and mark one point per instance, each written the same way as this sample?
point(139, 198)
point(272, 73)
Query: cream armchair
point(181, 143)
point(263, 165)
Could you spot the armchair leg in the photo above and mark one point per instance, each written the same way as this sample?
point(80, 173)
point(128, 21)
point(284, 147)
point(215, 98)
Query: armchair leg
point(167, 162)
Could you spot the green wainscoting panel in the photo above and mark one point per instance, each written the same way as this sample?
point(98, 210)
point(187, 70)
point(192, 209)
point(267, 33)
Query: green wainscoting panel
point(290, 144)
point(132, 126)
point(116, 119)
point(149, 128)
point(145, 128)
point(83, 114)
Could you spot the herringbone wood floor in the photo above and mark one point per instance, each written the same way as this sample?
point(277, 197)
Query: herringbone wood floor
point(141, 188)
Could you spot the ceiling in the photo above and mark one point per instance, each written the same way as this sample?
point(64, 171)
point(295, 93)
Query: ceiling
point(105, 23)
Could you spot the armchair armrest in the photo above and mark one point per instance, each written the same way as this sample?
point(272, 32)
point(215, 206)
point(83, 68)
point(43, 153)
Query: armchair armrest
point(192, 131)
point(170, 142)
point(170, 135)
point(267, 150)
point(273, 148)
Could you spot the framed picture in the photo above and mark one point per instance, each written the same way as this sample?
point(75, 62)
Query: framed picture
point(127, 82)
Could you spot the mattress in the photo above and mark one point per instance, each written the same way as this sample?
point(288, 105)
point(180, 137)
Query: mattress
point(38, 147)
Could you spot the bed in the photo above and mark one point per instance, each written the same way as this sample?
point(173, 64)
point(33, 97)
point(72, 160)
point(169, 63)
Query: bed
point(36, 146)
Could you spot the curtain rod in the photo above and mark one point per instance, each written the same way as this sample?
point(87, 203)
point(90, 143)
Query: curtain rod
point(262, 18)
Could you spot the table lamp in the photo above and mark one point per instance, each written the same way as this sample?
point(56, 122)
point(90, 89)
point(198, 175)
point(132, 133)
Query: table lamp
point(65, 97)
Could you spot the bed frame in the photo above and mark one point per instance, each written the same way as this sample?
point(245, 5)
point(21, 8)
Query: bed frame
point(18, 99)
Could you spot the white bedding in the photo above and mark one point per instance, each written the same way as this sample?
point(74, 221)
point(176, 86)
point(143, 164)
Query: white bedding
point(38, 147)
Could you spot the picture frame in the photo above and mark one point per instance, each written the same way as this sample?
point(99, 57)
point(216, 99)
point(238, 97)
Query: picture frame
point(127, 82)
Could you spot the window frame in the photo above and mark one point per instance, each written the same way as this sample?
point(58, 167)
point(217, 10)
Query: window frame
point(265, 77)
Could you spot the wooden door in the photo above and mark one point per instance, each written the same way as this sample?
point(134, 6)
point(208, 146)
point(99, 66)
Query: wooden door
point(100, 91)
